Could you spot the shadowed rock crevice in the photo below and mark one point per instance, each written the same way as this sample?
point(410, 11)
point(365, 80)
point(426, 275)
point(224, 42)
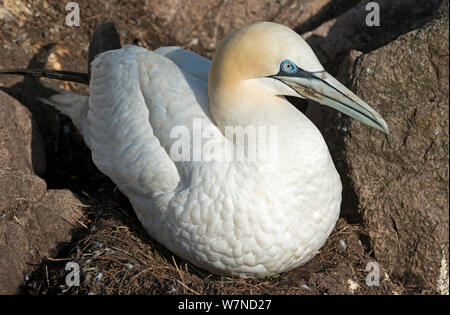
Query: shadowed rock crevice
point(333, 39)
point(331, 10)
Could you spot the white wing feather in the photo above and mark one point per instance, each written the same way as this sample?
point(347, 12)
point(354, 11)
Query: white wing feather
point(194, 64)
point(136, 98)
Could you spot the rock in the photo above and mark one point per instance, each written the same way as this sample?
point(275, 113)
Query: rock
point(17, 7)
point(21, 145)
point(5, 15)
point(201, 24)
point(32, 220)
point(400, 180)
point(350, 32)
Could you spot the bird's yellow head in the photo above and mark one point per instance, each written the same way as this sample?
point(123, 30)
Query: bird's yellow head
point(257, 51)
point(264, 61)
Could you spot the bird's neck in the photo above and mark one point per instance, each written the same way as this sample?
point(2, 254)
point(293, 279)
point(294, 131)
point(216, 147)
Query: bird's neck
point(272, 116)
point(246, 105)
point(241, 105)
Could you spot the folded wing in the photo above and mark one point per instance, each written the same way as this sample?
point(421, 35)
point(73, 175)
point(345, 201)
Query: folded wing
point(136, 99)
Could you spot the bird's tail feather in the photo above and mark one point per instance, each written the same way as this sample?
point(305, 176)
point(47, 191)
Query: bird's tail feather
point(71, 104)
point(74, 105)
point(52, 74)
point(64, 100)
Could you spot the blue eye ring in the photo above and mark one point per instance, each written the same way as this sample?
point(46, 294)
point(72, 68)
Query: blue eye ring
point(288, 67)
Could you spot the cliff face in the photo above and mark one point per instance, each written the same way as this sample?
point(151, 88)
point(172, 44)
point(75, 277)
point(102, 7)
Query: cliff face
point(400, 181)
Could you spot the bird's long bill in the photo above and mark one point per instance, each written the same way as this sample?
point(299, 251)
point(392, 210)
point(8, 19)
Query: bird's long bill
point(323, 88)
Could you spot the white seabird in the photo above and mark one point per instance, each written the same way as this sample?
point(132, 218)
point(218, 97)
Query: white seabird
point(229, 217)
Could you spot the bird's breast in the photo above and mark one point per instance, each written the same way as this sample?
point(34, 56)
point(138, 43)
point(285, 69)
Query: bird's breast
point(232, 219)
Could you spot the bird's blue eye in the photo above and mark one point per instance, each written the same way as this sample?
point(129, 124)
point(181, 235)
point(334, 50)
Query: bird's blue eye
point(288, 66)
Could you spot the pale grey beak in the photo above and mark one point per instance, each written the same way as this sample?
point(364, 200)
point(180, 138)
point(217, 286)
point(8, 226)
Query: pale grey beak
point(324, 89)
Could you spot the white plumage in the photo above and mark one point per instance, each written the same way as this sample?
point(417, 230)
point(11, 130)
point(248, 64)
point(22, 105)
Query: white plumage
point(229, 217)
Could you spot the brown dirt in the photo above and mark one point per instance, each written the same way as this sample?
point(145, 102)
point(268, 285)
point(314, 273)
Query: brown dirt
point(114, 252)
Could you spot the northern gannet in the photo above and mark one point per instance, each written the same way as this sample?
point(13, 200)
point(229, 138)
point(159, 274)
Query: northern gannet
point(232, 217)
